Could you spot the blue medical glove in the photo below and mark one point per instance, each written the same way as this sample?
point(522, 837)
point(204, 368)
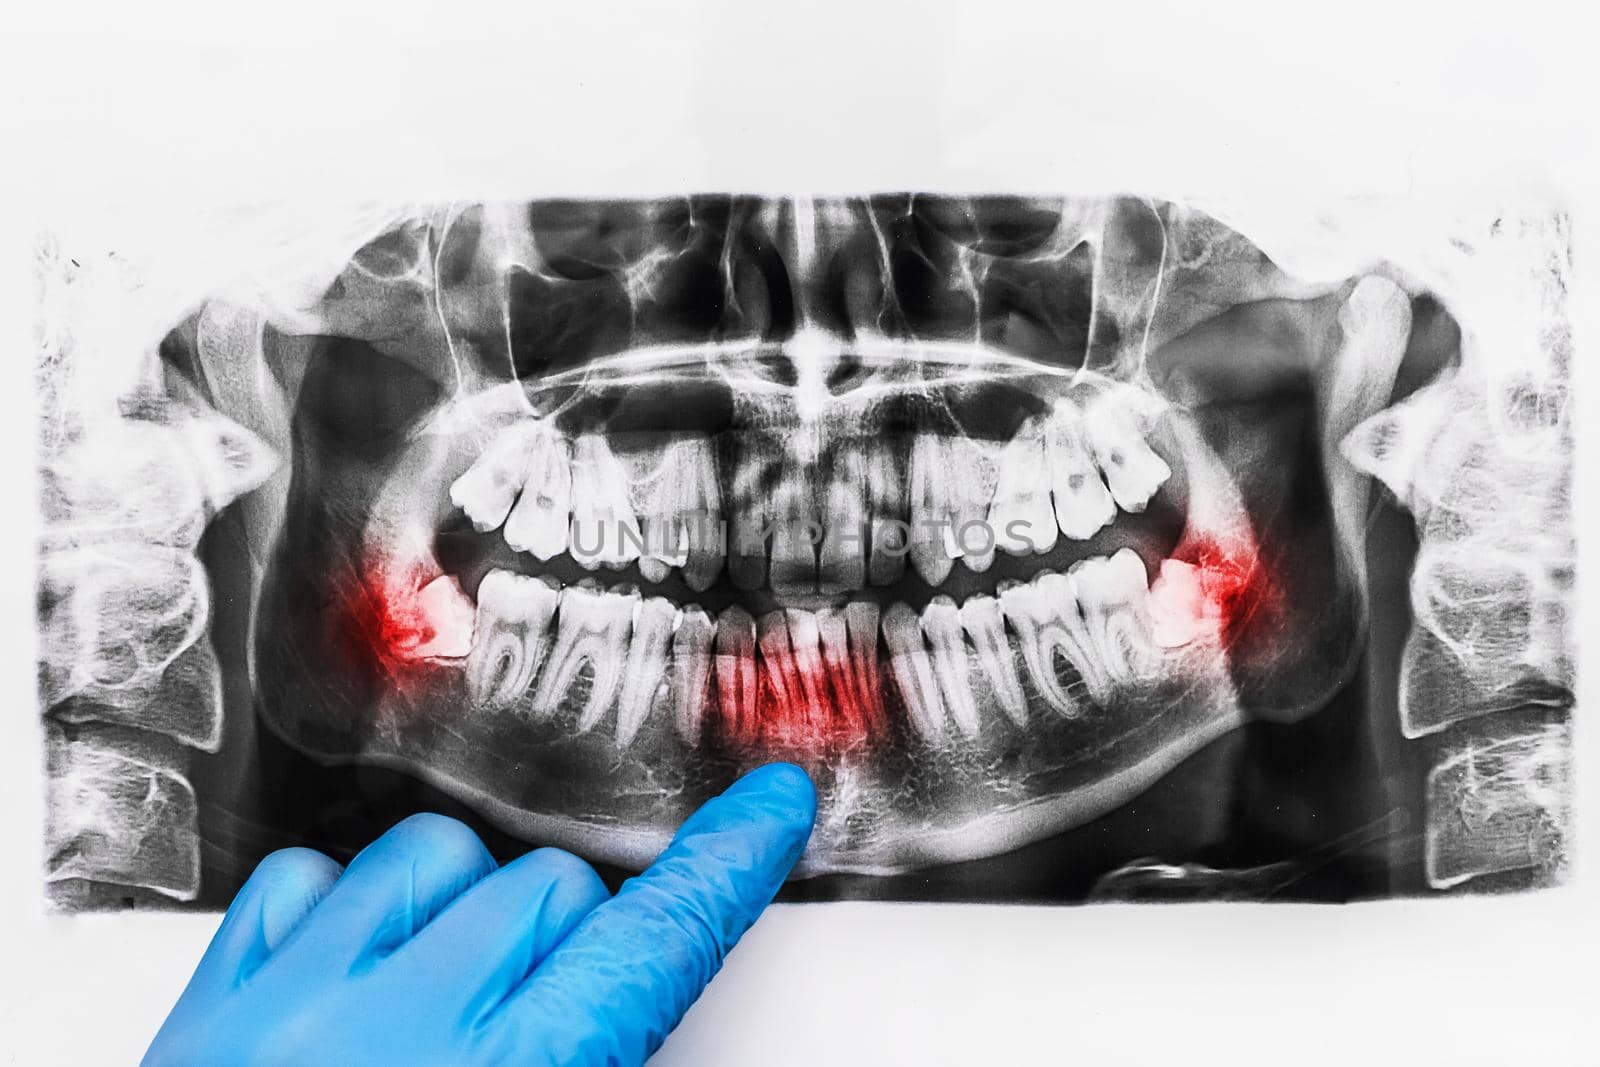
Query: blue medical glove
point(424, 952)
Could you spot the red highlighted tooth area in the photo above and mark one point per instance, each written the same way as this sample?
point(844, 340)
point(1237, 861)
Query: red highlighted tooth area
point(392, 622)
point(801, 711)
point(1238, 589)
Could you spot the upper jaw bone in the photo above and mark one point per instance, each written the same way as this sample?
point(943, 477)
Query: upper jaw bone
point(510, 635)
point(592, 626)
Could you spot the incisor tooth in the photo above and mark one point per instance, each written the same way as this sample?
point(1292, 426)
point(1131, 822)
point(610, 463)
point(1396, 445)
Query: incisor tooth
point(604, 529)
point(1021, 516)
point(592, 626)
point(543, 513)
point(777, 660)
point(842, 556)
point(490, 484)
point(1083, 504)
point(691, 671)
point(1045, 615)
point(886, 510)
point(913, 673)
point(736, 670)
point(941, 625)
point(796, 531)
point(1113, 596)
point(1112, 431)
point(512, 629)
point(986, 628)
point(805, 639)
point(646, 668)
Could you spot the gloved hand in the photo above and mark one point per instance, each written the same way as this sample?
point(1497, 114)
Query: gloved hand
point(423, 952)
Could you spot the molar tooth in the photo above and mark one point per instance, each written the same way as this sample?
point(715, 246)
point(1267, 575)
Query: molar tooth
point(646, 669)
point(1180, 610)
point(736, 671)
point(886, 508)
point(485, 492)
point(604, 529)
point(510, 634)
point(449, 615)
point(1133, 472)
point(691, 660)
point(1022, 495)
point(986, 627)
point(1083, 503)
point(913, 673)
point(543, 513)
point(842, 556)
point(1113, 595)
point(592, 627)
point(941, 625)
point(1045, 615)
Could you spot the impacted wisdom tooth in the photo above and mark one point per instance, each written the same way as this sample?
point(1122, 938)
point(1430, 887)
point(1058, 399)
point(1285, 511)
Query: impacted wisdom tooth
point(1133, 472)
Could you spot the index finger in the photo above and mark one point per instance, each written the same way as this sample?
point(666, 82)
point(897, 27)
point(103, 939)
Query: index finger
point(624, 977)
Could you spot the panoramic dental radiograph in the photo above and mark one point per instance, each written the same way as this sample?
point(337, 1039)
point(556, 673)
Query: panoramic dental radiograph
point(1078, 548)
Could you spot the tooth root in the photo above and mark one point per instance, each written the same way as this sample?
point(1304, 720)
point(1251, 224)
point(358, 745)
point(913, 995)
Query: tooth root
point(777, 664)
point(485, 492)
point(805, 640)
point(1083, 504)
point(842, 556)
point(986, 628)
point(1045, 616)
point(929, 508)
point(833, 633)
point(592, 627)
point(886, 509)
point(913, 672)
point(646, 666)
point(736, 672)
point(604, 528)
point(1132, 470)
point(861, 624)
point(1021, 516)
point(543, 513)
point(941, 625)
point(1114, 597)
point(510, 635)
point(691, 673)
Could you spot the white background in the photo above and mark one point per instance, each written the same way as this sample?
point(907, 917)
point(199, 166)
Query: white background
point(175, 101)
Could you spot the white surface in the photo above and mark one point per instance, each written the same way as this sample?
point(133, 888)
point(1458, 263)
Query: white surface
point(406, 98)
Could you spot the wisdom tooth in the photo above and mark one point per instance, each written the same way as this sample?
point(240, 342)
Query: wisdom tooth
point(604, 529)
point(1113, 595)
point(986, 627)
point(941, 625)
point(1021, 516)
point(842, 556)
point(736, 670)
point(592, 627)
point(543, 513)
point(490, 484)
point(646, 668)
point(913, 673)
point(886, 508)
point(1045, 615)
point(1083, 503)
point(691, 660)
point(1180, 611)
point(512, 628)
point(449, 615)
point(1133, 472)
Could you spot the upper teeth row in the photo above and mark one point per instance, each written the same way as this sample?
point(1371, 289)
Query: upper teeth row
point(1066, 471)
point(946, 663)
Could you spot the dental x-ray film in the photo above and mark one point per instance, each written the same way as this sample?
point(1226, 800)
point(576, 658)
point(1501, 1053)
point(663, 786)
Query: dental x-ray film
point(1080, 548)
